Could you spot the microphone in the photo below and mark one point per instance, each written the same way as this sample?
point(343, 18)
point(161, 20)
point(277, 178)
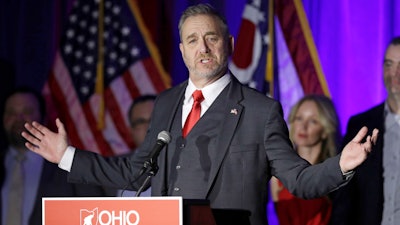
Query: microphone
point(163, 139)
point(150, 165)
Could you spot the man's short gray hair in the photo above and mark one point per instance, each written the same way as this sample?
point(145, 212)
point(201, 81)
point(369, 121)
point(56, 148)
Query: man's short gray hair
point(203, 9)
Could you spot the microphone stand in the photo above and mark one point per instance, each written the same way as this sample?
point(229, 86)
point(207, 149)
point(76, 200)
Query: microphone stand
point(152, 168)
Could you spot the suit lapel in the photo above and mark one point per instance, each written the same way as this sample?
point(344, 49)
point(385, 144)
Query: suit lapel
point(233, 112)
point(176, 98)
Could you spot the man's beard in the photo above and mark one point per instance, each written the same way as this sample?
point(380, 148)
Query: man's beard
point(216, 71)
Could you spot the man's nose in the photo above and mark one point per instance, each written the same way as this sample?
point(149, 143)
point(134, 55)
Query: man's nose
point(204, 47)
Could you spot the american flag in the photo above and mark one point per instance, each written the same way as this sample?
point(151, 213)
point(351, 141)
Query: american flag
point(92, 98)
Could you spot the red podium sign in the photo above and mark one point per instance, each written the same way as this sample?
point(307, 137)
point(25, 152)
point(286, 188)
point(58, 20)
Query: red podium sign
point(112, 211)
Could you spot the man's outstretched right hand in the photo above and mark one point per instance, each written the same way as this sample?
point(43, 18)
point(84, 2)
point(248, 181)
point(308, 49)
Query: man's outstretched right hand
point(48, 144)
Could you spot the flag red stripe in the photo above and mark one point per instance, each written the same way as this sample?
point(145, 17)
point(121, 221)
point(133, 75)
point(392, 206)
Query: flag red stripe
point(154, 74)
point(244, 51)
point(118, 117)
point(142, 78)
point(130, 83)
point(295, 39)
point(104, 147)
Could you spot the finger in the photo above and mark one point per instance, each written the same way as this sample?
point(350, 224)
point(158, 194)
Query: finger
point(360, 135)
point(60, 127)
point(375, 133)
point(367, 144)
point(42, 129)
point(30, 138)
point(32, 147)
point(33, 132)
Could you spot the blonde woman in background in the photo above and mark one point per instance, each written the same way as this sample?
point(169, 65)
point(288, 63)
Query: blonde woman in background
point(314, 131)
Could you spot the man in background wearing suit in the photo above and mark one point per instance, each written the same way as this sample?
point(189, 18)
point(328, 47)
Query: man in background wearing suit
point(139, 114)
point(228, 156)
point(373, 196)
point(36, 177)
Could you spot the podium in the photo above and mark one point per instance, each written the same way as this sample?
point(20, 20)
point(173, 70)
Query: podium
point(136, 211)
point(196, 212)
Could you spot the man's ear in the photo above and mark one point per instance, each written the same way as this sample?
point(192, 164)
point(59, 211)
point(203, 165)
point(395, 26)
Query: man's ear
point(231, 44)
point(181, 48)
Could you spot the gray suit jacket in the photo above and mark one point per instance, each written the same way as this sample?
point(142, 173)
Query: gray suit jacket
point(253, 145)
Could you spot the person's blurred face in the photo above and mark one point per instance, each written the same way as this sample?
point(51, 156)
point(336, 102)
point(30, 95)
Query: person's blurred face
point(306, 127)
point(140, 118)
point(19, 109)
point(204, 49)
point(391, 70)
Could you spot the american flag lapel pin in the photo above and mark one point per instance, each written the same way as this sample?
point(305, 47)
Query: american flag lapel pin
point(234, 111)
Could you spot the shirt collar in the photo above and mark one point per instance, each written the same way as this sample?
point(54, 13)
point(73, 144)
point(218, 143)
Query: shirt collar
point(211, 91)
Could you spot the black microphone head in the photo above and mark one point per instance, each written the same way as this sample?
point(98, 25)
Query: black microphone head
point(164, 136)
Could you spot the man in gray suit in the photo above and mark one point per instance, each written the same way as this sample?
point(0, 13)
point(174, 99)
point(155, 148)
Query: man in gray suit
point(227, 158)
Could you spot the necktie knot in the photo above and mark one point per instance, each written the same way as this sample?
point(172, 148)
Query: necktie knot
point(198, 96)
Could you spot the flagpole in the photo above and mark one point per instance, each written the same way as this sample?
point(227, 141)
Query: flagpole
point(100, 67)
point(150, 45)
point(270, 51)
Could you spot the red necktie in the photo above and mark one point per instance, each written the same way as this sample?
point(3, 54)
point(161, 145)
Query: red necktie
point(194, 114)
